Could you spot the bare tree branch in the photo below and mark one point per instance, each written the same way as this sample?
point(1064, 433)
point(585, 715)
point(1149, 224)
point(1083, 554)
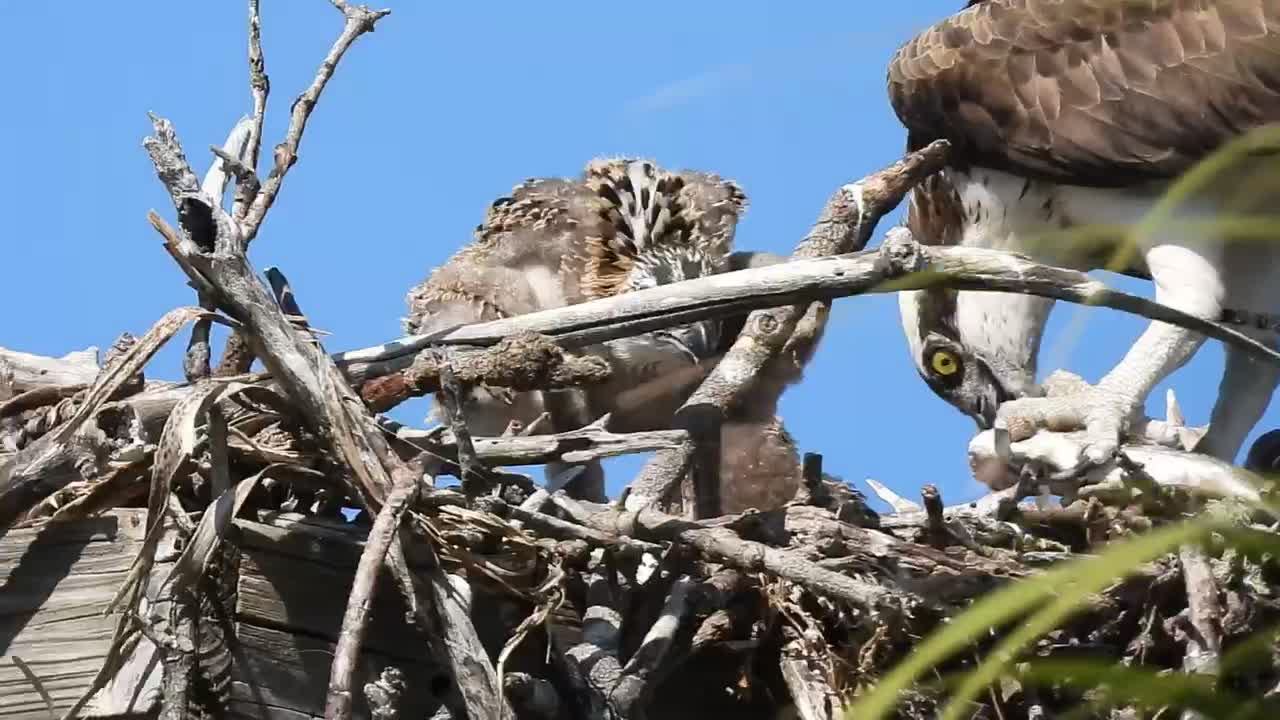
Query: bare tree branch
point(355, 620)
point(359, 20)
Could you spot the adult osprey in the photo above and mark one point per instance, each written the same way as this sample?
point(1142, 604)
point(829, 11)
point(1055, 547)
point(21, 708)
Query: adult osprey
point(1074, 112)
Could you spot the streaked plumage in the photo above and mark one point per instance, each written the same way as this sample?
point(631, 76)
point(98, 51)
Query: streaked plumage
point(1065, 113)
point(624, 225)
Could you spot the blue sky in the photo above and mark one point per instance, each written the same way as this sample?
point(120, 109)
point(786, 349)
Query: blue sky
point(442, 110)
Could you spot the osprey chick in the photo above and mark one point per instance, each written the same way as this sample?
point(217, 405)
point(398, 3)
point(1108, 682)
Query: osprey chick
point(625, 225)
point(1064, 113)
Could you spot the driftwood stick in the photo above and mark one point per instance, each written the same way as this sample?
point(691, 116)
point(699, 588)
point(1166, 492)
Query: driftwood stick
point(592, 442)
point(452, 398)
point(195, 364)
point(797, 281)
point(1204, 641)
point(814, 698)
point(596, 657)
point(210, 251)
point(553, 527)
point(355, 620)
point(476, 678)
point(526, 361)
point(237, 355)
point(260, 88)
point(723, 545)
point(635, 686)
point(30, 372)
point(358, 21)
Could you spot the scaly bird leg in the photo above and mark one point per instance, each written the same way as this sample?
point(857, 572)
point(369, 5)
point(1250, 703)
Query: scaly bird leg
point(1184, 279)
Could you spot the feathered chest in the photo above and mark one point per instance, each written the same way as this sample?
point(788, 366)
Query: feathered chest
point(980, 207)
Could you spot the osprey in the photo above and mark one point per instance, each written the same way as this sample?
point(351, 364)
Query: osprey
point(1065, 113)
point(626, 224)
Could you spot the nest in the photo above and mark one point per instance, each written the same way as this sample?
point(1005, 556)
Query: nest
point(263, 545)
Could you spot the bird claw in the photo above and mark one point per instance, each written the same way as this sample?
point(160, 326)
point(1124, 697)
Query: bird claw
point(1103, 414)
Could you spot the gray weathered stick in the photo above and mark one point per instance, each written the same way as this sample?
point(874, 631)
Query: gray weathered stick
point(723, 545)
point(355, 620)
point(359, 20)
point(574, 446)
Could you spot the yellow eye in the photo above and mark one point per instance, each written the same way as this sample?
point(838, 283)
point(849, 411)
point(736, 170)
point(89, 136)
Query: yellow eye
point(944, 363)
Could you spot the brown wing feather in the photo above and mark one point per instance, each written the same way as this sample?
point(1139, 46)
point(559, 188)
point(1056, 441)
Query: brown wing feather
point(1093, 92)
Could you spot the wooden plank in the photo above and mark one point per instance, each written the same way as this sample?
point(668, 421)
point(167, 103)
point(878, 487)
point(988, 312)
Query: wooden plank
point(291, 592)
point(280, 671)
point(56, 581)
point(278, 591)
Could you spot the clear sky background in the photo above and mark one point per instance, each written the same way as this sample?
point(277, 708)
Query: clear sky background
point(443, 109)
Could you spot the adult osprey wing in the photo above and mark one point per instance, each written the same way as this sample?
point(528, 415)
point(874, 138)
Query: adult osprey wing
point(1091, 92)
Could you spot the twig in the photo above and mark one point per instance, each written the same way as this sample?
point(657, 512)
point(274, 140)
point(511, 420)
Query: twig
point(260, 87)
point(814, 698)
point(553, 527)
point(452, 398)
point(346, 650)
point(723, 545)
point(36, 684)
point(525, 361)
point(72, 449)
point(177, 646)
point(595, 658)
point(813, 491)
point(476, 678)
point(1204, 645)
point(634, 687)
point(592, 442)
point(907, 265)
point(935, 526)
point(195, 364)
point(703, 423)
point(359, 20)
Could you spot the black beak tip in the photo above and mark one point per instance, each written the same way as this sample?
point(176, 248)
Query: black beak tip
point(985, 416)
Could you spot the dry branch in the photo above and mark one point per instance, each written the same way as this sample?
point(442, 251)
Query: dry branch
point(358, 21)
point(23, 372)
point(592, 442)
point(522, 362)
point(356, 619)
point(724, 546)
point(798, 281)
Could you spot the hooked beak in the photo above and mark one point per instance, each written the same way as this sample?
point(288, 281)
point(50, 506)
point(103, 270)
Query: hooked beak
point(993, 393)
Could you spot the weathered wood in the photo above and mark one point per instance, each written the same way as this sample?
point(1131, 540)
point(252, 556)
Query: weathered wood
point(575, 446)
point(797, 281)
point(25, 371)
point(280, 674)
point(56, 582)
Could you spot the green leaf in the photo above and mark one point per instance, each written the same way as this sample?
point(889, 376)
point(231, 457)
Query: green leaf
point(1142, 687)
